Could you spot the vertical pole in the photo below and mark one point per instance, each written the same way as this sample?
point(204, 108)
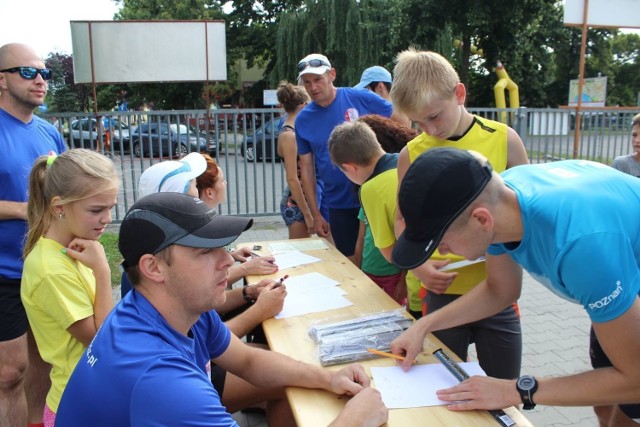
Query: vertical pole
point(583, 48)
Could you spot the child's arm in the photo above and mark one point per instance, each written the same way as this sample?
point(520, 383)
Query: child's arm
point(359, 246)
point(91, 253)
point(516, 153)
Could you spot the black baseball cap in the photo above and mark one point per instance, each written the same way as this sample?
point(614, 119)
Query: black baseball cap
point(438, 186)
point(163, 219)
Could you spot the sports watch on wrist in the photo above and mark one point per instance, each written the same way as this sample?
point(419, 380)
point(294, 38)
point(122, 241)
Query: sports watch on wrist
point(526, 386)
point(245, 296)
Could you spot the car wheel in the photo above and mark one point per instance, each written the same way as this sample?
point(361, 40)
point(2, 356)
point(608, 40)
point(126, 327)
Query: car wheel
point(180, 151)
point(250, 154)
point(136, 150)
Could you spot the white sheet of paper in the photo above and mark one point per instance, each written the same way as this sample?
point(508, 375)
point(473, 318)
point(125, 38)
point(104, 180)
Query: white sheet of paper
point(322, 299)
point(309, 282)
point(297, 245)
point(417, 387)
point(293, 259)
point(460, 264)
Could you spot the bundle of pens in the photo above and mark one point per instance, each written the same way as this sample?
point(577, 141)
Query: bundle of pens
point(349, 340)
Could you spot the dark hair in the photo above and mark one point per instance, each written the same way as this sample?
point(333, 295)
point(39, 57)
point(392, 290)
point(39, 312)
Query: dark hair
point(291, 96)
point(391, 136)
point(372, 86)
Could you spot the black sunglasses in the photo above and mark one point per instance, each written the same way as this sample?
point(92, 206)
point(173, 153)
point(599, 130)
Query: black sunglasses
point(29, 73)
point(311, 63)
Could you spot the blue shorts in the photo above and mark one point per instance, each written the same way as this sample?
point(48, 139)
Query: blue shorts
point(291, 213)
point(345, 225)
point(600, 360)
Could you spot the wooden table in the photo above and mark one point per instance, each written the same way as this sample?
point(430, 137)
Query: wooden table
point(317, 408)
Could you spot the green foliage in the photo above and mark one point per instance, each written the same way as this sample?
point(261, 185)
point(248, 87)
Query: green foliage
point(109, 241)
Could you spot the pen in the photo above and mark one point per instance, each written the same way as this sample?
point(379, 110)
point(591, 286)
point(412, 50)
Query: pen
point(255, 255)
point(385, 354)
point(281, 281)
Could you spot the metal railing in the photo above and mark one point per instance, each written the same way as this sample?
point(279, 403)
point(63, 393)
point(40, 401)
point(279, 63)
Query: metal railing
point(243, 141)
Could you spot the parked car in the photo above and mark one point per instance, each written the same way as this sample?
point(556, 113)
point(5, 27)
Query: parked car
point(84, 133)
point(152, 139)
point(262, 144)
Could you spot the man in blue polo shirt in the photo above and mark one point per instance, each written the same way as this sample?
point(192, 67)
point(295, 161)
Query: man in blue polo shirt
point(148, 364)
point(24, 137)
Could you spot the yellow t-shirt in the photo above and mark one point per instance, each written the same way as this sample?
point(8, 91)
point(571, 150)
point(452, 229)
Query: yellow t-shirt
point(488, 138)
point(56, 291)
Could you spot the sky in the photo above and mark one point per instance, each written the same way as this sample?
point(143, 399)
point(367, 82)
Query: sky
point(44, 24)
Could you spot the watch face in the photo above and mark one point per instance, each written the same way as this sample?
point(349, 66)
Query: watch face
point(526, 382)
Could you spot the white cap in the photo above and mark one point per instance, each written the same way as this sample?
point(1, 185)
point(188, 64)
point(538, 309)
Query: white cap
point(304, 67)
point(171, 176)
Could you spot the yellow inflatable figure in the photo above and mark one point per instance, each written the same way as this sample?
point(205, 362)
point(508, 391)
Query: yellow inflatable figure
point(505, 82)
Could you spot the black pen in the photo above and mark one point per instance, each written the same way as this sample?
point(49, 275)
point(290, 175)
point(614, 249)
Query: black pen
point(281, 281)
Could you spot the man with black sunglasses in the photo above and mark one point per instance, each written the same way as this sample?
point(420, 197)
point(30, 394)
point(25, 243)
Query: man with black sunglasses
point(330, 107)
point(23, 137)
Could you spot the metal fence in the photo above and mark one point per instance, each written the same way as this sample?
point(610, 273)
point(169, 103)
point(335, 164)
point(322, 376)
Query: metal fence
point(244, 143)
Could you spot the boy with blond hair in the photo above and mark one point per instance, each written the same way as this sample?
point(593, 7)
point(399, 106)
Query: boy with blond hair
point(428, 90)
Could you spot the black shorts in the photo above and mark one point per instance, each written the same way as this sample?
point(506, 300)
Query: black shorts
point(600, 360)
point(344, 224)
point(218, 375)
point(13, 318)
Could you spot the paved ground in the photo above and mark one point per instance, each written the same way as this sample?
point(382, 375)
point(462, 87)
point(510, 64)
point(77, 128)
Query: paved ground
point(556, 339)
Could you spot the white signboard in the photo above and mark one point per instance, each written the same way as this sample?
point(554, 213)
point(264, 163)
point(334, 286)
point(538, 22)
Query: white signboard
point(148, 51)
point(603, 13)
point(270, 97)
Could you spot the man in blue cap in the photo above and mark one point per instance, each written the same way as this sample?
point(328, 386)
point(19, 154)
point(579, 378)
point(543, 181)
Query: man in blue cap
point(378, 80)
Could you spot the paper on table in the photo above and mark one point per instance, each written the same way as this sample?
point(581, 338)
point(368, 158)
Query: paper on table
point(418, 386)
point(326, 298)
point(311, 293)
point(460, 264)
point(293, 259)
point(297, 245)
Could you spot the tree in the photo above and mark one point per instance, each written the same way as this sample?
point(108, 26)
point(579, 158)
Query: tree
point(64, 94)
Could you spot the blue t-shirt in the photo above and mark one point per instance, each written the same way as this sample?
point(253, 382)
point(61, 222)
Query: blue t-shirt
point(314, 125)
point(22, 143)
point(139, 371)
point(581, 235)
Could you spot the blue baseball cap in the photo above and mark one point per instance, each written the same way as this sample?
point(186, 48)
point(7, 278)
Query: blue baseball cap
point(374, 74)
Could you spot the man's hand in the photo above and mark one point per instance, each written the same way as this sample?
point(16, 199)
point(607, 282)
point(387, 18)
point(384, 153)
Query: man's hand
point(350, 380)
point(431, 278)
point(365, 409)
point(270, 299)
point(409, 344)
point(320, 226)
point(260, 265)
point(480, 392)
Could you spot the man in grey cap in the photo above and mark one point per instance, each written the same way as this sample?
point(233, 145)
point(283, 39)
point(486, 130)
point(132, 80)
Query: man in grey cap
point(148, 363)
point(330, 107)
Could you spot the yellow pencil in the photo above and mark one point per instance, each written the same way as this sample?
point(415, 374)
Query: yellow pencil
point(385, 354)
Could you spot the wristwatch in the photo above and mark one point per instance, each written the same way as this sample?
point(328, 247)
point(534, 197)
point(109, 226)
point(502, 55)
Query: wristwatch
point(526, 386)
point(245, 296)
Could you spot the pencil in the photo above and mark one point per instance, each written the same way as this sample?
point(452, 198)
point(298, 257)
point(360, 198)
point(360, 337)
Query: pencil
point(385, 354)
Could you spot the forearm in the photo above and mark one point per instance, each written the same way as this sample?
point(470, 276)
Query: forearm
point(308, 181)
point(285, 371)
point(603, 386)
point(299, 195)
point(13, 210)
point(103, 303)
point(236, 272)
point(232, 301)
point(479, 303)
point(246, 321)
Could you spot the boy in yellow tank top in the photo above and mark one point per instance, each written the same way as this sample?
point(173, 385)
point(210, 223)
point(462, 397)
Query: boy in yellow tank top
point(428, 90)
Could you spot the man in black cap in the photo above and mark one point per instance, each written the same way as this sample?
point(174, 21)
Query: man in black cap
point(148, 362)
point(573, 225)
